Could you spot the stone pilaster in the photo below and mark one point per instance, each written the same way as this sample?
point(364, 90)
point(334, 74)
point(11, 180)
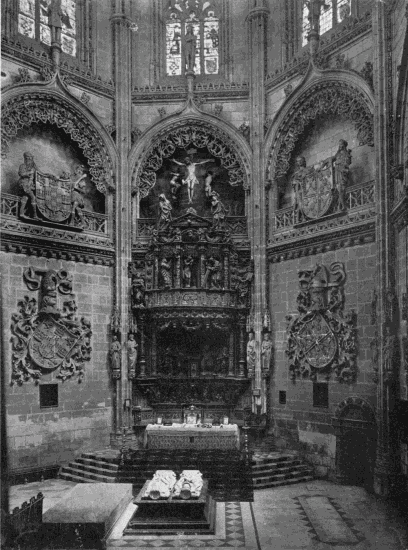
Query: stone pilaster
point(122, 74)
point(257, 42)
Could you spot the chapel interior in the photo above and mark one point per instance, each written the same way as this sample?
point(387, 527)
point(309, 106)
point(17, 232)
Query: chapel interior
point(204, 271)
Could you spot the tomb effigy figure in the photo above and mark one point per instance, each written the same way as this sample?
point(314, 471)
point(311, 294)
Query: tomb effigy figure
point(189, 484)
point(77, 195)
point(26, 182)
point(251, 354)
point(165, 271)
point(342, 161)
point(161, 485)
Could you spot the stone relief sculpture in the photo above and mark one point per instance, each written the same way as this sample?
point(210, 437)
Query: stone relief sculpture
point(138, 293)
point(55, 15)
point(26, 182)
point(322, 339)
point(266, 354)
point(190, 49)
point(165, 209)
point(187, 265)
point(191, 179)
point(250, 356)
point(47, 337)
point(114, 355)
point(342, 161)
point(212, 277)
point(175, 185)
point(165, 271)
point(132, 347)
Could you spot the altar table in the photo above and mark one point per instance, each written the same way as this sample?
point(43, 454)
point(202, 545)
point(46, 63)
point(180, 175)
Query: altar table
point(191, 437)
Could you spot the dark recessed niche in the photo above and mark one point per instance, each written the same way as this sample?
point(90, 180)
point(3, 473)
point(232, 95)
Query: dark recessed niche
point(282, 398)
point(320, 394)
point(48, 395)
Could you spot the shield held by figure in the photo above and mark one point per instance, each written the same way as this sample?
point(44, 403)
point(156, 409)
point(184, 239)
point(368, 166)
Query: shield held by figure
point(51, 343)
point(53, 197)
point(316, 195)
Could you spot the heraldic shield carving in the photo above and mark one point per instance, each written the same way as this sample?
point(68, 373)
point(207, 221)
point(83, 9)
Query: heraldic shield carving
point(313, 188)
point(53, 197)
point(321, 338)
point(45, 336)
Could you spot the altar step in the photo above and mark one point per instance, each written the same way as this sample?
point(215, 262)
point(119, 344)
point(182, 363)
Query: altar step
point(272, 469)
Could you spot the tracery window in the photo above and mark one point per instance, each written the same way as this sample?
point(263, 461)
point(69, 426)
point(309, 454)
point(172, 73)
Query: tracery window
point(33, 22)
point(200, 16)
point(332, 12)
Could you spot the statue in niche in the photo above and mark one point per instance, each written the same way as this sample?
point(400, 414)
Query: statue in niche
point(244, 281)
point(266, 353)
point(251, 355)
point(188, 262)
point(138, 293)
point(77, 195)
point(165, 271)
point(114, 355)
point(190, 49)
point(165, 209)
point(342, 161)
point(207, 184)
point(55, 15)
point(212, 277)
point(389, 354)
point(132, 347)
point(297, 180)
point(207, 363)
point(26, 182)
point(191, 180)
point(223, 360)
point(218, 210)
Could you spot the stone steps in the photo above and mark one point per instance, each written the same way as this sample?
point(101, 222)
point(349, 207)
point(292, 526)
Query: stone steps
point(272, 469)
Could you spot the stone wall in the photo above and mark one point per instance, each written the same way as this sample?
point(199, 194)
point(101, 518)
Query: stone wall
point(42, 437)
point(298, 424)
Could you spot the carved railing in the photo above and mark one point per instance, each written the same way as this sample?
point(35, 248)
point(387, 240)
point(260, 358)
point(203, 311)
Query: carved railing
point(356, 197)
point(237, 225)
point(26, 520)
point(92, 221)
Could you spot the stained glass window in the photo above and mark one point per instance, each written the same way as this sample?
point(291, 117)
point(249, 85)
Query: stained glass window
point(331, 13)
point(200, 16)
point(33, 22)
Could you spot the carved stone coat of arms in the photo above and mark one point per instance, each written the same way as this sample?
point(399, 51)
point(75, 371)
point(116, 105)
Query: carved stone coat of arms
point(321, 338)
point(47, 337)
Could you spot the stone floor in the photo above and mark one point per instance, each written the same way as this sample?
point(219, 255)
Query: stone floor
point(318, 515)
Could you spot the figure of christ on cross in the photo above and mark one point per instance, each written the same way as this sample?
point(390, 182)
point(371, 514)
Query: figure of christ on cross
point(191, 178)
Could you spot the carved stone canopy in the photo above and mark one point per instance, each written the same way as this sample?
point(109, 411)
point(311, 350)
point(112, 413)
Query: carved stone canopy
point(330, 97)
point(30, 108)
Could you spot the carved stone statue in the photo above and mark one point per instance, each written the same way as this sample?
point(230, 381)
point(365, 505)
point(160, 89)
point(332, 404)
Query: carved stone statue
point(212, 277)
point(132, 347)
point(138, 293)
point(218, 210)
point(191, 179)
point(77, 195)
point(207, 183)
point(389, 353)
point(114, 354)
point(161, 485)
point(251, 355)
point(165, 209)
point(266, 353)
point(165, 271)
point(223, 360)
point(175, 185)
point(49, 284)
point(190, 48)
point(27, 172)
point(297, 179)
point(55, 14)
point(342, 161)
point(188, 262)
point(189, 484)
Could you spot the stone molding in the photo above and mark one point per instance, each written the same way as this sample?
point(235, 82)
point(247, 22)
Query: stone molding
point(30, 103)
point(354, 401)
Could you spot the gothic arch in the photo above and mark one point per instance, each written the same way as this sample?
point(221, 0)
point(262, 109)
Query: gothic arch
point(50, 103)
point(180, 131)
point(355, 402)
point(335, 92)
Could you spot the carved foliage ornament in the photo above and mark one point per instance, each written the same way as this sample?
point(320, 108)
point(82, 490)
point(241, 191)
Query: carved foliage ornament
point(46, 337)
point(200, 135)
point(321, 338)
point(33, 108)
point(334, 98)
